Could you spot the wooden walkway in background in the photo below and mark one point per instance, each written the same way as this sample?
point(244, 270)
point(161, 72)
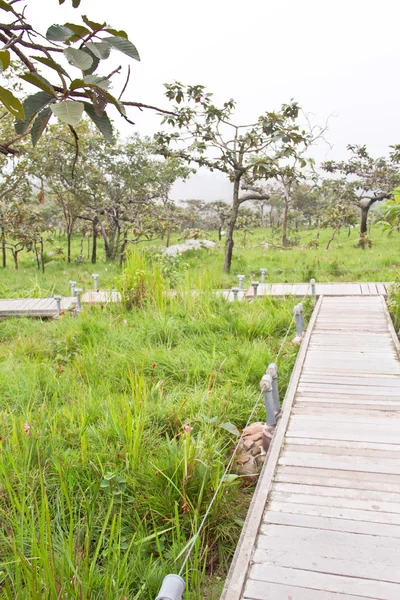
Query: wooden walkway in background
point(322, 289)
point(324, 523)
point(34, 307)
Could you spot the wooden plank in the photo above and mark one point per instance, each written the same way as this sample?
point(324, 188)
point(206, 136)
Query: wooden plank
point(331, 524)
point(357, 475)
point(262, 590)
point(338, 492)
point(366, 588)
point(237, 573)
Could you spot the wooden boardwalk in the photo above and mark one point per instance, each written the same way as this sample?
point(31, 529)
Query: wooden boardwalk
point(324, 523)
point(34, 307)
point(322, 289)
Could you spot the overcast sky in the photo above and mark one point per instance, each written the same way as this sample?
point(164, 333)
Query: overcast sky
point(336, 58)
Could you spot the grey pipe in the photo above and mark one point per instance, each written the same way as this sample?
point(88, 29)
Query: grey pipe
point(272, 370)
point(240, 279)
point(255, 285)
point(172, 588)
point(266, 388)
point(263, 273)
point(58, 304)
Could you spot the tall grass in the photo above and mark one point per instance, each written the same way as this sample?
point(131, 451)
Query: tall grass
point(111, 441)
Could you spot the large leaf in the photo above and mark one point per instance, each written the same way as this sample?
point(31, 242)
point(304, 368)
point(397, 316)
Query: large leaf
point(40, 82)
point(118, 105)
point(59, 33)
point(5, 6)
point(103, 123)
point(4, 60)
point(99, 99)
point(95, 61)
point(92, 24)
point(32, 104)
point(40, 124)
point(79, 58)
point(12, 103)
point(102, 82)
point(52, 64)
point(230, 427)
point(68, 111)
point(119, 33)
point(123, 45)
point(79, 30)
point(100, 49)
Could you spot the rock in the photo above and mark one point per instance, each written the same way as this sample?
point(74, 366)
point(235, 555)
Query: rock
point(251, 454)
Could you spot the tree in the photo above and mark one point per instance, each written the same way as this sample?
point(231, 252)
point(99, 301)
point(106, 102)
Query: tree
point(63, 70)
point(218, 213)
point(207, 136)
point(365, 180)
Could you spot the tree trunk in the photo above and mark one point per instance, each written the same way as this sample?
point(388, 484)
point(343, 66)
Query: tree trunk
point(69, 236)
point(42, 254)
point(284, 224)
point(3, 248)
point(15, 257)
point(168, 238)
point(364, 219)
point(94, 243)
point(220, 233)
point(231, 226)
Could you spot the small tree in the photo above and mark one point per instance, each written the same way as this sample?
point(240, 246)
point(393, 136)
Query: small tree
point(365, 180)
point(207, 136)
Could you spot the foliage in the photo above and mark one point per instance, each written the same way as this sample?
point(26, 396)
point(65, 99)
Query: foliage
point(63, 69)
point(206, 135)
point(391, 213)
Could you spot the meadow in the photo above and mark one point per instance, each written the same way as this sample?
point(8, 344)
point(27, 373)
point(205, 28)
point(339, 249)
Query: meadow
point(116, 425)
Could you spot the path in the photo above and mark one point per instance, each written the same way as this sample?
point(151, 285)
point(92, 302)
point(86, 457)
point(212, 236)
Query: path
point(325, 289)
point(34, 307)
point(324, 523)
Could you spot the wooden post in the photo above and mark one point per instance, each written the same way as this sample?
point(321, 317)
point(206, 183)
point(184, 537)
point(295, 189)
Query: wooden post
point(235, 293)
point(240, 279)
point(263, 273)
point(297, 316)
point(273, 371)
point(301, 309)
point(78, 297)
point(266, 388)
point(73, 285)
point(95, 282)
point(58, 304)
point(255, 285)
point(313, 288)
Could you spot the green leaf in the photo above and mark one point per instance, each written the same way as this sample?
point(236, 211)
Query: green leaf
point(95, 60)
point(102, 82)
point(59, 33)
point(12, 103)
point(78, 58)
point(40, 82)
point(123, 45)
point(228, 478)
point(5, 6)
point(120, 33)
point(76, 83)
point(92, 24)
point(4, 60)
point(79, 30)
point(40, 124)
point(68, 111)
point(100, 49)
point(52, 64)
point(33, 104)
point(103, 123)
point(118, 105)
point(230, 427)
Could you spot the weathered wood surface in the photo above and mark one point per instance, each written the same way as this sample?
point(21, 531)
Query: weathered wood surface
point(322, 289)
point(34, 307)
point(101, 297)
point(324, 522)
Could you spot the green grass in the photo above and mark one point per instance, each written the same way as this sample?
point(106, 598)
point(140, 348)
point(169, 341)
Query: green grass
point(111, 445)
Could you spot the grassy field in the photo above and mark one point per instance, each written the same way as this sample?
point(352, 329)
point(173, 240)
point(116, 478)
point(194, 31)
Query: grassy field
point(113, 430)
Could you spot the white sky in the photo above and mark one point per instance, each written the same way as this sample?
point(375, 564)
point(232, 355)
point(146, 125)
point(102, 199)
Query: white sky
point(334, 57)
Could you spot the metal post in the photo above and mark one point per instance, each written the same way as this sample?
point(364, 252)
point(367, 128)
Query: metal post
point(273, 371)
point(235, 293)
point(95, 282)
point(73, 285)
point(300, 305)
point(255, 285)
point(172, 588)
point(78, 297)
point(240, 279)
point(58, 303)
point(263, 273)
point(266, 388)
point(297, 315)
point(313, 289)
